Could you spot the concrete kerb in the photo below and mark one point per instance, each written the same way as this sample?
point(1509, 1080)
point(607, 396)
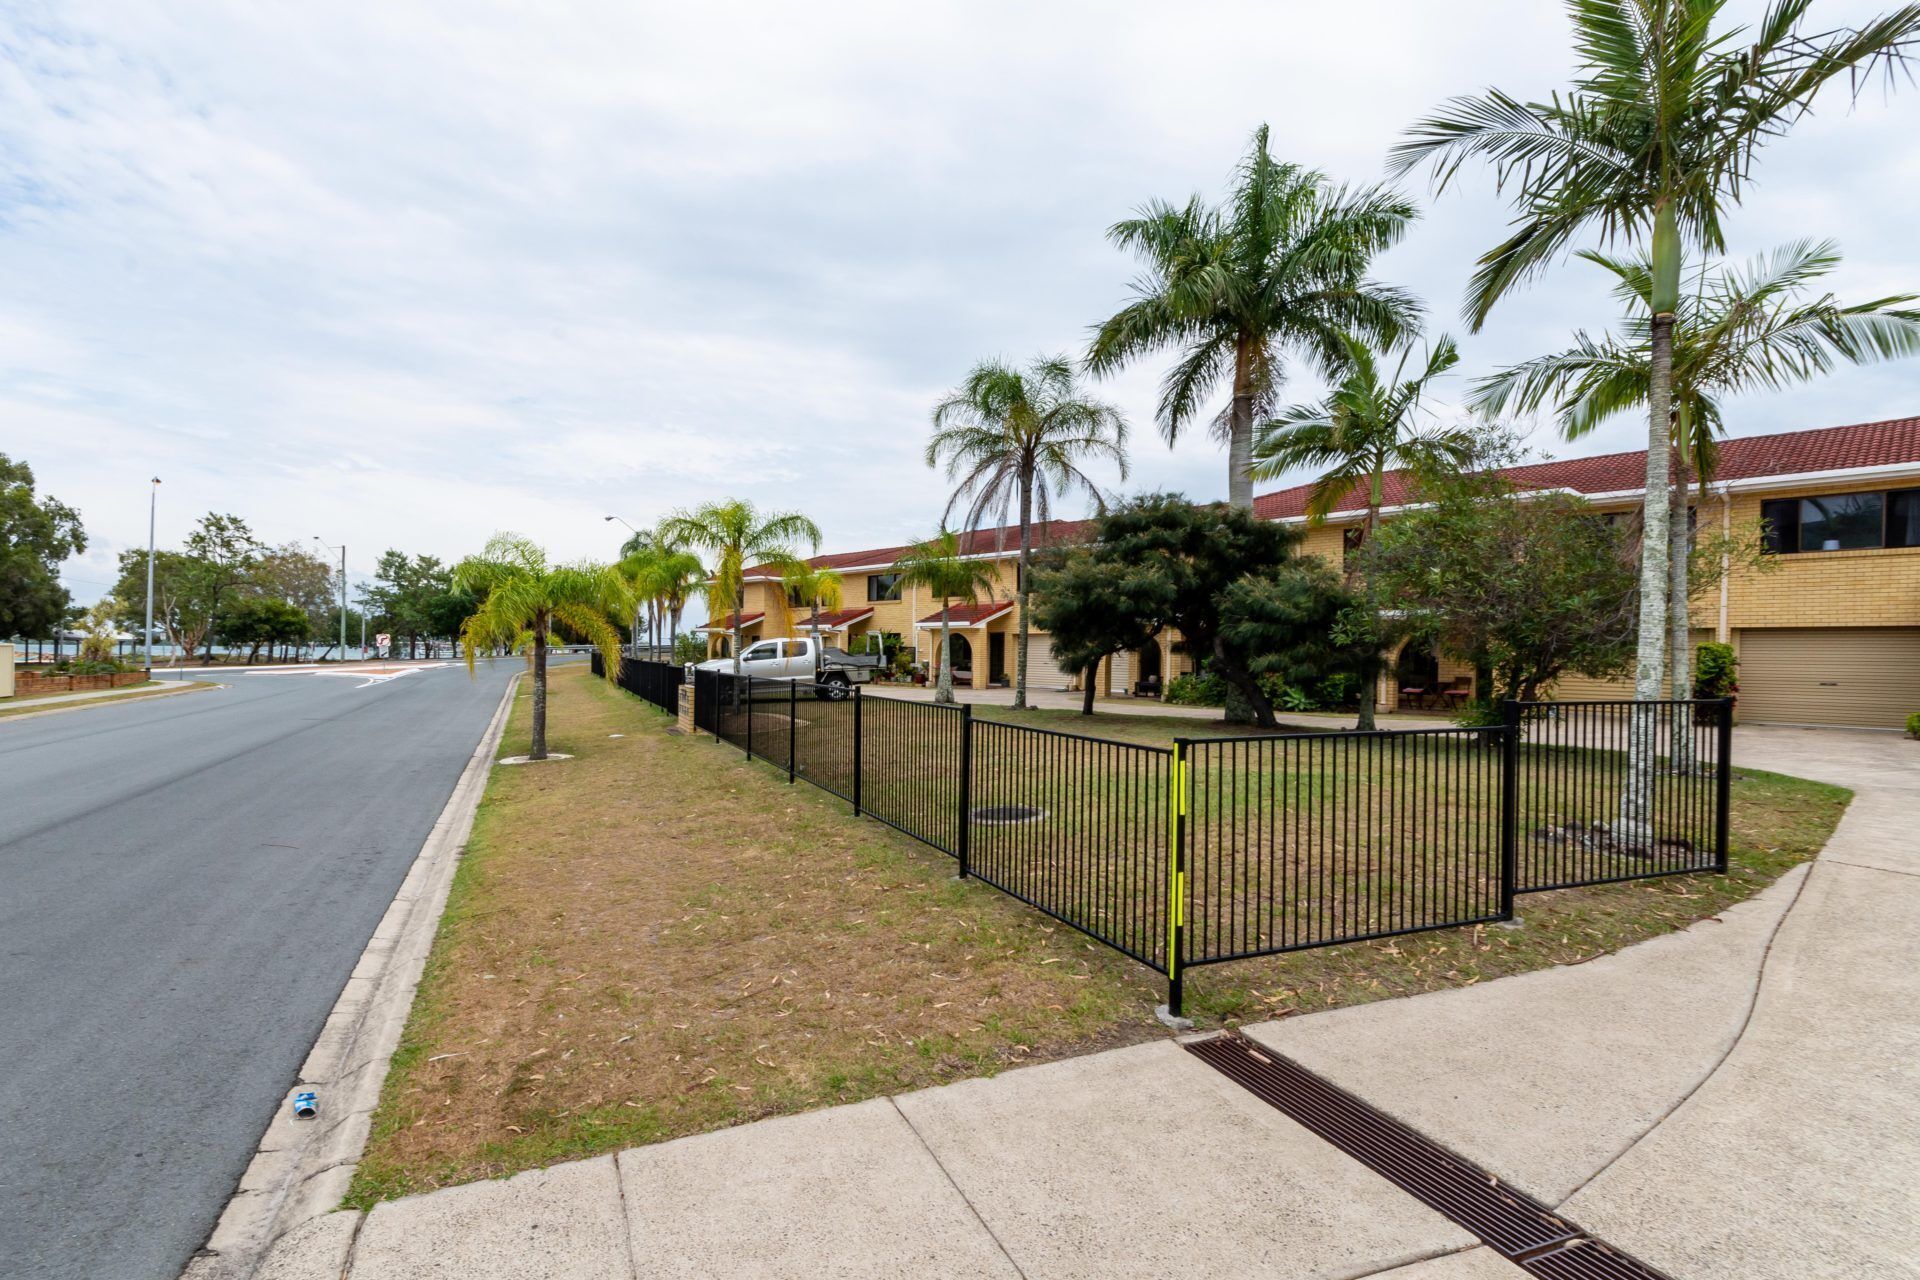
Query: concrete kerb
point(133, 693)
point(302, 1169)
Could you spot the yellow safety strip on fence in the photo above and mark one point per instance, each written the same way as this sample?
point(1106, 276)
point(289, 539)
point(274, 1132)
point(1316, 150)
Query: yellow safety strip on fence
point(1176, 878)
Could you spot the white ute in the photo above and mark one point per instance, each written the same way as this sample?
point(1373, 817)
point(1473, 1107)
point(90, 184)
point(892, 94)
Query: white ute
point(833, 673)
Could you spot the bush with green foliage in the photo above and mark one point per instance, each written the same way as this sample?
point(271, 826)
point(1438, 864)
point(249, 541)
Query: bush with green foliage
point(1196, 689)
point(1913, 725)
point(689, 648)
point(1714, 670)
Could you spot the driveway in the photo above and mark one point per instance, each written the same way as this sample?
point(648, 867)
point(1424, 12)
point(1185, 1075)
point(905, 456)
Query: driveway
point(185, 884)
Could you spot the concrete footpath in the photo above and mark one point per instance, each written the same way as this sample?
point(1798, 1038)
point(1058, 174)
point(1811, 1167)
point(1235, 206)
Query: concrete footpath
point(1730, 1101)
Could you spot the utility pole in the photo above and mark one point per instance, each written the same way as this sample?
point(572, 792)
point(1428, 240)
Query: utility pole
point(342, 549)
point(153, 508)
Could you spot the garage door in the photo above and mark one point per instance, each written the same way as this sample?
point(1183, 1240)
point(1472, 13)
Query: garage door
point(1042, 671)
point(1868, 676)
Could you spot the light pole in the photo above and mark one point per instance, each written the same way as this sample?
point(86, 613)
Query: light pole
point(636, 604)
point(342, 549)
point(153, 509)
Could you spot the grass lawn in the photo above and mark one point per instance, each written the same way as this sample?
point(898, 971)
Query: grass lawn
point(659, 938)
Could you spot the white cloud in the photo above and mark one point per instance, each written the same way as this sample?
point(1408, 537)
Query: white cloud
point(407, 273)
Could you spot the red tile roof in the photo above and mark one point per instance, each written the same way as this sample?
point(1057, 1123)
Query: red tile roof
point(965, 615)
point(725, 623)
point(1867, 444)
point(978, 542)
point(836, 618)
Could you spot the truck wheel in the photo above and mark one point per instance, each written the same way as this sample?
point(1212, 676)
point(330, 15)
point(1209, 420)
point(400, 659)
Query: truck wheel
point(833, 688)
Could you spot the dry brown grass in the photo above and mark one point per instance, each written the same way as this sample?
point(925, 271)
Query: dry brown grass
point(658, 938)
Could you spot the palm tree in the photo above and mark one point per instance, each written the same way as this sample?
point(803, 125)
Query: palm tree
point(663, 576)
point(938, 565)
point(814, 586)
point(1009, 435)
point(1280, 267)
point(1734, 331)
point(522, 596)
point(1367, 427)
point(740, 538)
point(1652, 144)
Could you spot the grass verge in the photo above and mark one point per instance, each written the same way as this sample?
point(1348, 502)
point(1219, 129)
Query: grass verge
point(659, 938)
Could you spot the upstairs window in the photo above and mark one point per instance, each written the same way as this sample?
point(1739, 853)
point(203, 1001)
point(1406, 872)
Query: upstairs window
point(882, 587)
point(1842, 522)
point(1351, 540)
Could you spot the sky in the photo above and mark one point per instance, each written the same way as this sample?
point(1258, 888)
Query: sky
point(404, 274)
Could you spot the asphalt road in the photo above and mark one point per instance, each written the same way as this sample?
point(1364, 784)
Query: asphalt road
point(185, 884)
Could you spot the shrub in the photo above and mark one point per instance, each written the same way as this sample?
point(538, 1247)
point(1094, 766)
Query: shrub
point(1913, 725)
point(1713, 671)
point(1202, 690)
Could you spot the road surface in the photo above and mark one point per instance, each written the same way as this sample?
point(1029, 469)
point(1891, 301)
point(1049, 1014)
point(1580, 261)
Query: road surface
point(185, 884)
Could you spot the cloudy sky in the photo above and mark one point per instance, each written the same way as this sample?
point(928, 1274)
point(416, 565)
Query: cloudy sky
point(403, 274)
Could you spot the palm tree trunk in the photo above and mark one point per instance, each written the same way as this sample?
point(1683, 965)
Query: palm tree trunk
point(739, 604)
point(1649, 668)
point(943, 681)
point(1369, 687)
point(539, 751)
point(1680, 619)
point(1026, 576)
point(1240, 429)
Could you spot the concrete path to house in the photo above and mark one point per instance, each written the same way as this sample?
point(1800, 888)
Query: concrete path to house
point(1730, 1101)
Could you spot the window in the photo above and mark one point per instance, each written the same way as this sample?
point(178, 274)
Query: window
point(765, 649)
point(796, 597)
point(794, 648)
point(1350, 542)
point(883, 586)
point(1780, 521)
point(1842, 521)
point(1903, 518)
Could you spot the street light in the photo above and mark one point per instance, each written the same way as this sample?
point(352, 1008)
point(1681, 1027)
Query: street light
point(153, 509)
point(342, 549)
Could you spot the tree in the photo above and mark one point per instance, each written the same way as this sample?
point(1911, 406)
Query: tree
point(403, 596)
point(1181, 560)
point(522, 597)
point(97, 645)
point(1366, 428)
point(180, 605)
point(1280, 267)
point(259, 621)
point(1652, 144)
point(663, 576)
point(1091, 610)
point(1734, 330)
point(223, 552)
point(36, 535)
point(1299, 623)
point(938, 565)
point(1524, 589)
point(740, 538)
point(294, 573)
point(1012, 436)
point(813, 586)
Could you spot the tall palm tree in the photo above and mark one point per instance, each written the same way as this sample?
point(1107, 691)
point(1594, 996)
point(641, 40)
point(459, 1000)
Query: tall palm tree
point(663, 576)
point(1279, 268)
point(814, 586)
point(739, 537)
point(938, 565)
point(1009, 435)
point(522, 596)
point(1735, 330)
point(1368, 426)
point(1652, 144)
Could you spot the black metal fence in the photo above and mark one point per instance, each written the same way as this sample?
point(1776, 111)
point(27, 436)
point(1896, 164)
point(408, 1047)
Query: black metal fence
point(1221, 849)
point(657, 682)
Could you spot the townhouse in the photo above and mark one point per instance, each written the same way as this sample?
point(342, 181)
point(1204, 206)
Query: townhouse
point(1828, 633)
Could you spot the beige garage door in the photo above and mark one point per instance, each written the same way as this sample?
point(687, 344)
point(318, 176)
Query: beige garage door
point(1042, 671)
point(1868, 676)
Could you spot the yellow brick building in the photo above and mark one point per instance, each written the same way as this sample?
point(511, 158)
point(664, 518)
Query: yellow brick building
point(1827, 633)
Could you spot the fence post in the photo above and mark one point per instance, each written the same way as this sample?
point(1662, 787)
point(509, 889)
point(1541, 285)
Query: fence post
point(965, 842)
point(856, 751)
point(1723, 786)
point(793, 722)
point(1177, 880)
point(748, 715)
point(1509, 804)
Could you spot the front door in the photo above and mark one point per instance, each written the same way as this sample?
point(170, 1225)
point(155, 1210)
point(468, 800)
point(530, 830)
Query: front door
point(997, 657)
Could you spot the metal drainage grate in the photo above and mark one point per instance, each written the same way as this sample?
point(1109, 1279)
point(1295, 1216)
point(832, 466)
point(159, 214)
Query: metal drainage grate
point(1518, 1227)
point(1006, 815)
